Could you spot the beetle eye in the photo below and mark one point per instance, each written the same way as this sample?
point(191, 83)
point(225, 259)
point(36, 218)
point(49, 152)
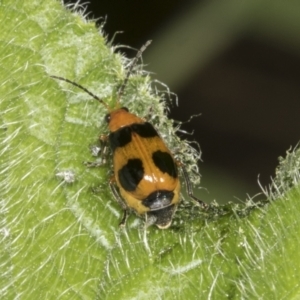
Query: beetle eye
point(107, 118)
point(125, 108)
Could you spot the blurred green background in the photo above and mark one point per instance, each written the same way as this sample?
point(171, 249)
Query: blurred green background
point(235, 62)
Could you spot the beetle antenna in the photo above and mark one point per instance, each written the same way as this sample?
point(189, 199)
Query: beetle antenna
point(81, 87)
point(138, 55)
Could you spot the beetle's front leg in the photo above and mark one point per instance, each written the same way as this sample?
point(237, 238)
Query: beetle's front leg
point(101, 152)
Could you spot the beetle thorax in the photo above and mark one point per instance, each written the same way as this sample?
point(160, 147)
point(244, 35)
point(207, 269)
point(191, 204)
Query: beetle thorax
point(121, 118)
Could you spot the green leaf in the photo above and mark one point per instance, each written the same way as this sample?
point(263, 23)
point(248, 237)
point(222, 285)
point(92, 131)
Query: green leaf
point(60, 237)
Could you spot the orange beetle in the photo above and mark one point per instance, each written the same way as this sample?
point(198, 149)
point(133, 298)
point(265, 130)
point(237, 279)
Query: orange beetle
point(145, 176)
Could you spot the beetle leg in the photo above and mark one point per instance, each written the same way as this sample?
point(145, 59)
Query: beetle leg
point(189, 187)
point(123, 221)
point(101, 151)
point(120, 201)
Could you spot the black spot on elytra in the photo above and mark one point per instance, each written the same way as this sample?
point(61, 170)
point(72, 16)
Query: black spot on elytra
point(165, 163)
point(145, 130)
point(131, 174)
point(158, 199)
point(120, 138)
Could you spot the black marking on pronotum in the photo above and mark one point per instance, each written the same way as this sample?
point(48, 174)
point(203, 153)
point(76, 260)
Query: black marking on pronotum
point(165, 162)
point(158, 199)
point(145, 130)
point(131, 174)
point(120, 138)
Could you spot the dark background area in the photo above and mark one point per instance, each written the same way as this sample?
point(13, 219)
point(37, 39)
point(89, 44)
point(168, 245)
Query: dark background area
point(247, 92)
